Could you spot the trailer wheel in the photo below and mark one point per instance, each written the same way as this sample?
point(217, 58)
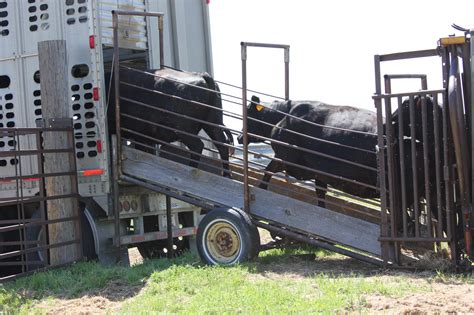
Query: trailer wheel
point(227, 237)
point(88, 244)
point(35, 233)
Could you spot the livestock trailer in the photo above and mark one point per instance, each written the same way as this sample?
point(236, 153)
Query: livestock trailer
point(414, 188)
point(86, 26)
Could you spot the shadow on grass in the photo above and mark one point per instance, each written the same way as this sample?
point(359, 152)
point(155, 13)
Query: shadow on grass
point(114, 283)
point(117, 283)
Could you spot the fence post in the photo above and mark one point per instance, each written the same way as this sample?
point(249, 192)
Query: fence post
point(55, 106)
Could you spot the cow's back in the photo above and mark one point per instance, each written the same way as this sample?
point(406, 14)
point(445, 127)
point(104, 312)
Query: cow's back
point(328, 125)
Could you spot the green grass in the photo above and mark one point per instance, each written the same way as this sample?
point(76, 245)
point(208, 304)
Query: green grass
point(184, 285)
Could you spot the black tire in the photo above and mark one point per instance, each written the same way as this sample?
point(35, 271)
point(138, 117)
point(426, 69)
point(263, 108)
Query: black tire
point(37, 258)
point(155, 249)
point(227, 237)
point(88, 244)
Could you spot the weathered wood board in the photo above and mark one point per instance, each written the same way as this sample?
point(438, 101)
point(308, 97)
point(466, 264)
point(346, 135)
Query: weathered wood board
point(299, 215)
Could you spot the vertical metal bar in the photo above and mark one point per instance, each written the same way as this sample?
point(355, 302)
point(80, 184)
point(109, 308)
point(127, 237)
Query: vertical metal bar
point(450, 220)
point(426, 162)
point(381, 163)
point(392, 187)
point(388, 85)
point(75, 189)
point(383, 190)
point(287, 73)
point(20, 218)
point(245, 127)
point(160, 32)
point(466, 63)
point(378, 87)
point(117, 163)
point(471, 134)
point(424, 83)
point(414, 165)
point(401, 143)
point(437, 164)
point(169, 227)
point(42, 192)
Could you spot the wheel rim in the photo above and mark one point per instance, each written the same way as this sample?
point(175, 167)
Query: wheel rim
point(223, 242)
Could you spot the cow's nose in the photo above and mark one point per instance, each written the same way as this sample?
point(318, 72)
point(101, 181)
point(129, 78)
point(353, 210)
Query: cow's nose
point(240, 139)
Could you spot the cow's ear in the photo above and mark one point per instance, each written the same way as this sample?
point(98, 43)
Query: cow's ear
point(255, 100)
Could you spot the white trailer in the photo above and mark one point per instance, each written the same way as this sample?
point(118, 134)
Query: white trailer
point(86, 26)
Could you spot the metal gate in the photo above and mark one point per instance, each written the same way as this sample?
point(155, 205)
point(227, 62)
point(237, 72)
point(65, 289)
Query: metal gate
point(24, 223)
point(420, 169)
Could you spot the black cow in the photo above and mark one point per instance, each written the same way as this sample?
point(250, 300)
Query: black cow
point(338, 134)
point(161, 106)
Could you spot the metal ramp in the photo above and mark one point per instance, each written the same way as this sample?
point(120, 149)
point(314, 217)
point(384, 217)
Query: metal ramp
point(160, 174)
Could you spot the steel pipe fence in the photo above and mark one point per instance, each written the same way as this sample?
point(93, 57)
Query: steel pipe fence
point(24, 224)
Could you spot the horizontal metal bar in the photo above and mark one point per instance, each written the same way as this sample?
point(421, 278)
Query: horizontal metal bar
point(409, 55)
point(30, 131)
point(405, 76)
point(407, 94)
point(414, 239)
point(158, 235)
point(264, 45)
point(36, 176)
point(33, 152)
point(22, 225)
point(15, 200)
point(23, 274)
point(21, 263)
point(38, 248)
point(137, 13)
point(318, 243)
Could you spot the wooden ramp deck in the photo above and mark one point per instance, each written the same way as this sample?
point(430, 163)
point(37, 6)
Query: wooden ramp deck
point(152, 170)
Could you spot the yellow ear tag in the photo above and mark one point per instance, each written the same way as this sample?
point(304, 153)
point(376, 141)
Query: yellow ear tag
point(259, 107)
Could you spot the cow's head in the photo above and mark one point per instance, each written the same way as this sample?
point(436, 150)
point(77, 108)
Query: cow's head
point(256, 111)
point(418, 103)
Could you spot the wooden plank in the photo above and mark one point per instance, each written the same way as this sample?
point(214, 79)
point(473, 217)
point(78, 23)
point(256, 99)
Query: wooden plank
point(335, 201)
point(55, 100)
point(299, 215)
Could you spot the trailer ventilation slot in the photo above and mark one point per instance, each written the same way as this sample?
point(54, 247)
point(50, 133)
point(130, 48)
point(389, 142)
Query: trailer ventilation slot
point(3, 21)
point(7, 116)
point(4, 81)
point(84, 113)
point(77, 11)
point(80, 71)
point(39, 18)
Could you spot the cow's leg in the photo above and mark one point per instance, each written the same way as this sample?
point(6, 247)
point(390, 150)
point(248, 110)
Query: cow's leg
point(272, 168)
point(194, 145)
point(218, 135)
point(320, 192)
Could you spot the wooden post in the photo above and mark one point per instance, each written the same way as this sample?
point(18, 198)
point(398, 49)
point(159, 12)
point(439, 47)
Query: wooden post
point(55, 105)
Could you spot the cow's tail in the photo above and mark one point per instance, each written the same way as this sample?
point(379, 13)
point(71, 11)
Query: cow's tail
point(217, 103)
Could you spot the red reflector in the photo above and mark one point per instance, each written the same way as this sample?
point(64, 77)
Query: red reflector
point(96, 94)
point(92, 172)
point(99, 146)
point(208, 1)
point(31, 179)
point(92, 42)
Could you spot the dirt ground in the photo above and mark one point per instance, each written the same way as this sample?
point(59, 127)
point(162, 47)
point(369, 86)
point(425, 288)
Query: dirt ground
point(442, 297)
